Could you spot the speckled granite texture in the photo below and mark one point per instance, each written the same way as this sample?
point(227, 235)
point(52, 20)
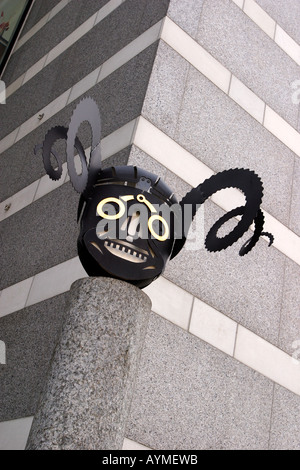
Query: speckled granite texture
point(88, 392)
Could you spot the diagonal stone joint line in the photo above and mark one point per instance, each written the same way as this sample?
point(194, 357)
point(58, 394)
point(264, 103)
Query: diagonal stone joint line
point(286, 241)
point(207, 323)
point(67, 42)
point(130, 51)
point(159, 146)
point(250, 8)
point(270, 27)
point(41, 23)
point(198, 57)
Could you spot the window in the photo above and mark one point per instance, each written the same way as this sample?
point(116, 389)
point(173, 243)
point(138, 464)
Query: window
point(12, 16)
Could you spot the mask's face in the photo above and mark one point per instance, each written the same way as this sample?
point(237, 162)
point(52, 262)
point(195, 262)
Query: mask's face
point(125, 233)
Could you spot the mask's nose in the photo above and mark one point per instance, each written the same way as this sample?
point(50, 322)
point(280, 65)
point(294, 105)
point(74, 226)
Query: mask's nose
point(133, 226)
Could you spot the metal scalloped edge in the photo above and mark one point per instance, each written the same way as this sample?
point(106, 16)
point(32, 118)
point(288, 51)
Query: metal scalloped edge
point(86, 110)
point(204, 197)
point(70, 169)
point(232, 171)
point(270, 236)
point(227, 216)
point(59, 132)
point(259, 225)
point(266, 234)
point(95, 163)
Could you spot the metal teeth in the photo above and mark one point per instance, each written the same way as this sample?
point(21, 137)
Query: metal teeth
point(54, 134)
point(209, 187)
point(86, 107)
point(123, 249)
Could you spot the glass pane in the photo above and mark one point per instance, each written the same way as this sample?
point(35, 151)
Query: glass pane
point(12, 14)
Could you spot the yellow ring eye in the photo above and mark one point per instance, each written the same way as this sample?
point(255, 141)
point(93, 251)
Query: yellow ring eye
point(160, 238)
point(110, 200)
point(143, 200)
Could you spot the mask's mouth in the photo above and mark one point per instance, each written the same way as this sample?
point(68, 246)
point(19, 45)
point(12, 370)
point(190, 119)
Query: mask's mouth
point(126, 252)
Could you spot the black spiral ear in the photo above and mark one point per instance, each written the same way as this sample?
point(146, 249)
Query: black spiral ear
point(87, 110)
point(250, 184)
point(56, 133)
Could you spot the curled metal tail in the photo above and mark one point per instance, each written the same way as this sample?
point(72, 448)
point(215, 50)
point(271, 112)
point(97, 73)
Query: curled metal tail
point(250, 184)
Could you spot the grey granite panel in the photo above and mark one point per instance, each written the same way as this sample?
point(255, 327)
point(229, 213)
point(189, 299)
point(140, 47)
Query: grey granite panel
point(222, 135)
point(239, 44)
point(40, 44)
point(19, 166)
point(191, 396)
point(55, 79)
point(120, 98)
point(295, 202)
point(102, 42)
point(247, 289)
point(153, 12)
point(162, 103)
point(180, 187)
point(86, 8)
point(186, 13)
point(26, 249)
point(60, 26)
point(287, 15)
point(119, 159)
point(289, 339)
point(121, 94)
point(38, 11)
point(40, 236)
point(106, 39)
point(285, 431)
point(30, 337)
point(218, 132)
point(141, 159)
point(88, 391)
point(47, 84)
point(30, 99)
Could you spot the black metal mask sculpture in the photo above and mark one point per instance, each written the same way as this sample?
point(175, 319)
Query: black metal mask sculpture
point(131, 223)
